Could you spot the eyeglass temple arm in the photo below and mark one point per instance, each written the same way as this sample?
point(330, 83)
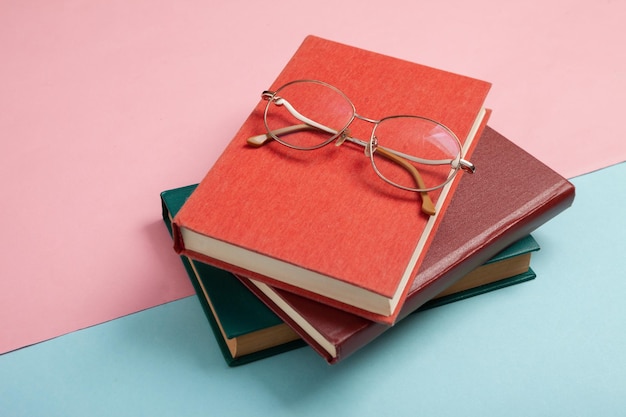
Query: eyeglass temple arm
point(309, 123)
point(395, 156)
point(428, 207)
point(260, 140)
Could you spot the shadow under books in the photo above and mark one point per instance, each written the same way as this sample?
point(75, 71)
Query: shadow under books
point(299, 376)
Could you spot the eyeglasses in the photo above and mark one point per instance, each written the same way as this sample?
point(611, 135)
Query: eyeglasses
point(413, 153)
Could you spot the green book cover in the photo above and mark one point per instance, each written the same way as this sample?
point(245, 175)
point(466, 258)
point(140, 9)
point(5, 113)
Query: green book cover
point(524, 246)
point(462, 295)
point(234, 312)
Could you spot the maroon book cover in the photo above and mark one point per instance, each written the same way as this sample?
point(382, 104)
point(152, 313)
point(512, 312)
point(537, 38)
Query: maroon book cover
point(511, 194)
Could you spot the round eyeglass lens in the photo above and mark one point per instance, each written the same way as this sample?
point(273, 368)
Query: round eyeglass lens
point(307, 114)
point(414, 153)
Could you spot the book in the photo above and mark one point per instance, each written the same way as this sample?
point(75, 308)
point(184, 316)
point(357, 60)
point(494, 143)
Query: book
point(247, 330)
point(244, 328)
point(441, 300)
point(509, 266)
point(321, 223)
point(515, 194)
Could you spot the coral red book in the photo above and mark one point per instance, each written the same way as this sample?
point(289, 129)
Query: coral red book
point(514, 195)
point(321, 223)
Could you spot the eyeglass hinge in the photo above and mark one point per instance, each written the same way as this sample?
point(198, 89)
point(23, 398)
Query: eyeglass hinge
point(267, 95)
point(467, 166)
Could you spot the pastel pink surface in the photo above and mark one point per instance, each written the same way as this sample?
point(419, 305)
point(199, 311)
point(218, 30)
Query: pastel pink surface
point(105, 104)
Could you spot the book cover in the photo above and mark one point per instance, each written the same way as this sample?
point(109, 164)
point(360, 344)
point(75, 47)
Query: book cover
point(244, 328)
point(515, 194)
point(236, 314)
point(321, 223)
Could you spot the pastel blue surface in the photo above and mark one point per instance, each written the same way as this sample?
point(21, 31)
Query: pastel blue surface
point(550, 347)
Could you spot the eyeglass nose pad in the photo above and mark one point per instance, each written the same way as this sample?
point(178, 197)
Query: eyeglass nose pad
point(370, 147)
point(342, 138)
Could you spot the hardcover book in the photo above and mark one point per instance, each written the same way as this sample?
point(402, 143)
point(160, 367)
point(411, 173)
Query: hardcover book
point(244, 328)
point(515, 194)
point(247, 330)
point(321, 223)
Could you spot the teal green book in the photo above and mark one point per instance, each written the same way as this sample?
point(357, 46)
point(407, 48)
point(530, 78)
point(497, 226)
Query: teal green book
point(492, 275)
point(247, 330)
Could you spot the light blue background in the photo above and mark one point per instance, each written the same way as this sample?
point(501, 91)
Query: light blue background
point(555, 346)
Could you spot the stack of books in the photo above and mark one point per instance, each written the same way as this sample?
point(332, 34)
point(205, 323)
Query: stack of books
point(287, 246)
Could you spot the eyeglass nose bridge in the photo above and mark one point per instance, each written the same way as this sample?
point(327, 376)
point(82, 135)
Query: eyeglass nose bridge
point(366, 119)
point(346, 134)
point(368, 147)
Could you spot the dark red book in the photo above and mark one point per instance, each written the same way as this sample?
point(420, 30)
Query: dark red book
point(321, 223)
point(513, 195)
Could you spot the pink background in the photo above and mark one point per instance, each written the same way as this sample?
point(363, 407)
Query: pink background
point(103, 104)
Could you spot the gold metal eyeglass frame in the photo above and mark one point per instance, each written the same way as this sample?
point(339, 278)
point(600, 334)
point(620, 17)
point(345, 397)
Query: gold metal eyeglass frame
point(370, 147)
